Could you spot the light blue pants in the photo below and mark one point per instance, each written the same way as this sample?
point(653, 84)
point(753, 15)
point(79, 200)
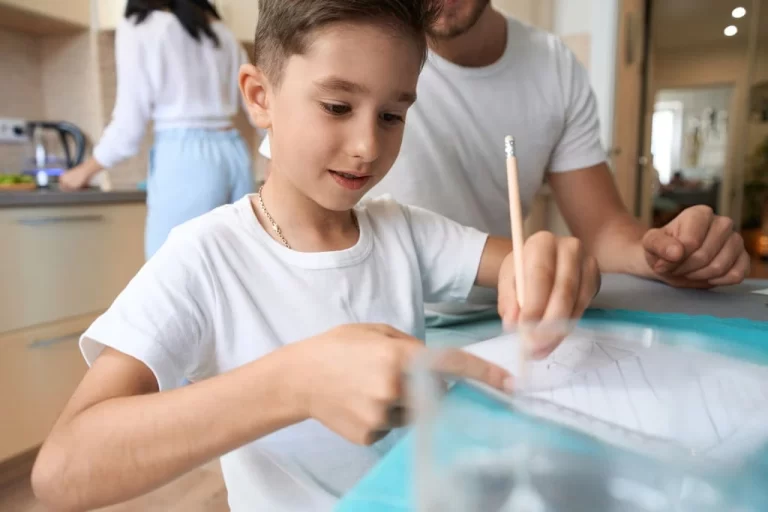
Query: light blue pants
point(191, 172)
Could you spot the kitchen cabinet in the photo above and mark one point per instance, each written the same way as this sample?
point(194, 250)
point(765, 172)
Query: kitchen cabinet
point(39, 370)
point(66, 261)
point(240, 16)
point(45, 16)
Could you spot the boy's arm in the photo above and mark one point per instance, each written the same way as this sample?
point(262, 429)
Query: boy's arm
point(495, 251)
point(119, 438)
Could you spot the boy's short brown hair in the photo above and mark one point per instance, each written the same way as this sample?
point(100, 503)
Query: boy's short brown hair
point(285, 27)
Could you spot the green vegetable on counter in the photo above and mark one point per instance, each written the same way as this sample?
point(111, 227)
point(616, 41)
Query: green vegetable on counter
point(14, 179)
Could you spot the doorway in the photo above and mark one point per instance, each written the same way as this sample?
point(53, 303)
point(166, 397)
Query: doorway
point(701, 58)
point(714, 55)
point(690, 144)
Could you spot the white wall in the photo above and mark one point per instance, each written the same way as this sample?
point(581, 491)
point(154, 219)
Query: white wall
point(590, 28)
point(572, 17)
point(604, 28)
point(534, 12)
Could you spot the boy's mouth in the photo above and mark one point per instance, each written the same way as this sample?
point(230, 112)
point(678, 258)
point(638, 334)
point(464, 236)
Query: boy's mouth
point(350, 180)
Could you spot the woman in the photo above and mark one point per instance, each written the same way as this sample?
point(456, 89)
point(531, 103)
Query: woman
point(177, 65)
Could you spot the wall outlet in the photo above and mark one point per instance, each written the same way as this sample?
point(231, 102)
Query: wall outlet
point(13, 131)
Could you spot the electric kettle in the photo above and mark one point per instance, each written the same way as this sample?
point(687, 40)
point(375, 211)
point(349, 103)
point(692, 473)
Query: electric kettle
point(54, 148)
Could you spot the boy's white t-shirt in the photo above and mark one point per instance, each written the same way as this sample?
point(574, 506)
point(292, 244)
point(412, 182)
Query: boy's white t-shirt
point(221, 292)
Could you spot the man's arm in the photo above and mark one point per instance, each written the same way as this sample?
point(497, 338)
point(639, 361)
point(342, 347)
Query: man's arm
point(119, 438)
point(698, 249)
point(592, 208)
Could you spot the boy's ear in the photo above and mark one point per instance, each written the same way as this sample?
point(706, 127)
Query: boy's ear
point(254, 87)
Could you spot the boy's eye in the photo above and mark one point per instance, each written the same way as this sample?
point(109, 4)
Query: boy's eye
point(392, 118)
point(336, 109)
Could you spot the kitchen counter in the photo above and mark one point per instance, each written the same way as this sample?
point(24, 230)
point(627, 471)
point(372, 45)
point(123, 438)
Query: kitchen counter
point(55, 197)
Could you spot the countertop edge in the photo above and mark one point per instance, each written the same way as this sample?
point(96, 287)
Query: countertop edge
point(29, 199)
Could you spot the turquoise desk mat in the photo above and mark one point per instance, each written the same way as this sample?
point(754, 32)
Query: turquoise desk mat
point(388, 486)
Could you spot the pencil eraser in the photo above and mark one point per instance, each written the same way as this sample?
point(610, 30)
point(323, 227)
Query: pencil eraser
point(509, 145)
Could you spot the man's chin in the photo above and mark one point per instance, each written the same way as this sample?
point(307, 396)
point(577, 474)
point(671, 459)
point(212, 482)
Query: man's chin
point(454, 23)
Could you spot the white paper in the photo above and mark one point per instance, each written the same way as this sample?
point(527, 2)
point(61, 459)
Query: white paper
point(761, 292)
point(703, 403)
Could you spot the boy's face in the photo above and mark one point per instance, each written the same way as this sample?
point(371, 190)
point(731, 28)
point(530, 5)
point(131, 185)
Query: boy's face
point(337, 117)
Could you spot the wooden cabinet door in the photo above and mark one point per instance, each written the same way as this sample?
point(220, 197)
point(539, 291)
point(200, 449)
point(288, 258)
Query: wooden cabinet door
point(63, 262)
point(39, 371)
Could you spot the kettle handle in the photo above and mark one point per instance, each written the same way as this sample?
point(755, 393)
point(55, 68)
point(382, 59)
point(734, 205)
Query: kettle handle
point(67, 129)
point(79, 139)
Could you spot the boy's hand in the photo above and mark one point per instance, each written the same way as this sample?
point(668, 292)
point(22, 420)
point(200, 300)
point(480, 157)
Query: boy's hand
point(698, 249)
point(560, 282)
point(351, 378)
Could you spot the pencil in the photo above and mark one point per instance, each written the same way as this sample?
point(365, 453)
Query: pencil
point(516, 222)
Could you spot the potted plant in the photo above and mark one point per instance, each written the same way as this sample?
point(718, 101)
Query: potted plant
point(754, 225)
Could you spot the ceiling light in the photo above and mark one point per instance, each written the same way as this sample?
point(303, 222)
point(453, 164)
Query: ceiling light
point(739, 12)
point(730, 30)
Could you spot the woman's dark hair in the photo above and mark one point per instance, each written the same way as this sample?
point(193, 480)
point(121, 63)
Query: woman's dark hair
point(192, 14)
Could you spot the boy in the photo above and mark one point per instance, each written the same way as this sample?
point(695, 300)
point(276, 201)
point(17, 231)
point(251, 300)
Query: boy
point(261, 304)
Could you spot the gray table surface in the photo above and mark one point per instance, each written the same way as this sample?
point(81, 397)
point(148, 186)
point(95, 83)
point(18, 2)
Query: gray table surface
point(625, 292)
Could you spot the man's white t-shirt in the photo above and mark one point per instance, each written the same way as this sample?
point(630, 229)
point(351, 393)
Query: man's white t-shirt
point(221, 293)
point(452, 159)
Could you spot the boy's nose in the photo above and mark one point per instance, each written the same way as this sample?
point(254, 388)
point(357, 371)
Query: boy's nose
point(366, 142)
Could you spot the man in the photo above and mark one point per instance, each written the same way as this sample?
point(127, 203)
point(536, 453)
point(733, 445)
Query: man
point(488, 76)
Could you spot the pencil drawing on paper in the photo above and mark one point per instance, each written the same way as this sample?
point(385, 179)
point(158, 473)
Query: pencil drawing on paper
point(705, 403)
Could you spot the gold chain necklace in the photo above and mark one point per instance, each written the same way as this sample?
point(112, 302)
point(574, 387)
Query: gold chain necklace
point(274, 225)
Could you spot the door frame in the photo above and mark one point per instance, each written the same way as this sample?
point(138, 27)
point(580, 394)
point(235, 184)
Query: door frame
point(630, 117)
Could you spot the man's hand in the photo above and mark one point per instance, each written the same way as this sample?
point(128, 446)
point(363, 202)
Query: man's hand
point(698, 249)
point(560, 282)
